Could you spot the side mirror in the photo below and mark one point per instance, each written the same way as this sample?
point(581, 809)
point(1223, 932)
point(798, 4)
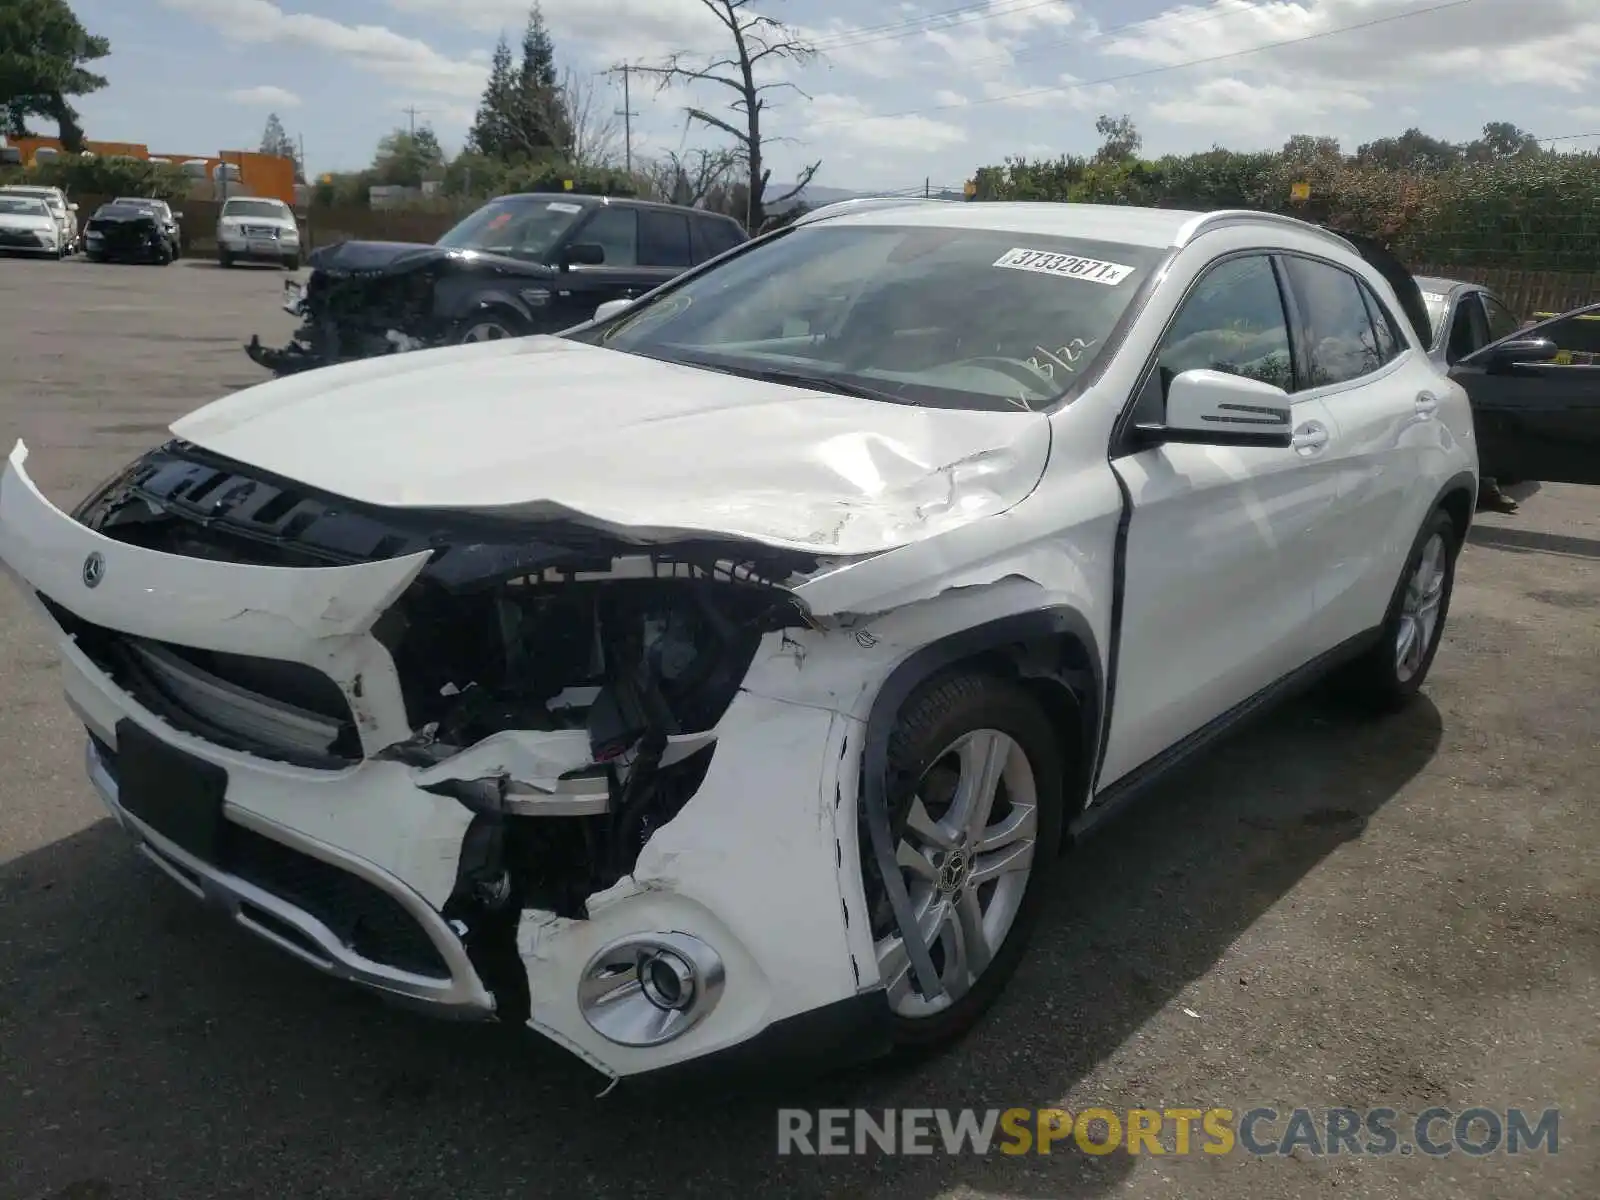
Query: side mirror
point(177, 216)
point(583, 254)
point(1504, 355)
point(72, 206)
point(1214, 408)
point(611, 308)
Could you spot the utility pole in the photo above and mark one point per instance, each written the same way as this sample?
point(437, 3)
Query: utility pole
point(626, 113)
point(412, 112)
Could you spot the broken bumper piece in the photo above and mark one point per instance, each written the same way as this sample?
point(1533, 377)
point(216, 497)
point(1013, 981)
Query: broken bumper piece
point(285, 360)
point(739, 927)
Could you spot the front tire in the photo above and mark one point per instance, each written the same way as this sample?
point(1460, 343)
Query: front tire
point(224, 259)
point(1392, 672)
point(291, 263)
point(491, 325)
point(976, 810)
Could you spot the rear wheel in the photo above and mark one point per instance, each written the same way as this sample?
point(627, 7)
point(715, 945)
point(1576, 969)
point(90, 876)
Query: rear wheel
point(976, 812)
point(1393, 671)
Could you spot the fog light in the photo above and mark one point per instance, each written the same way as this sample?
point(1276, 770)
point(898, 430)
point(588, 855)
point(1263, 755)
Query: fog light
point(650, 988)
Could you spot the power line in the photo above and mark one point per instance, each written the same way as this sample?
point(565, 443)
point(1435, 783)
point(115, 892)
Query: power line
point(626, 112)
point(1147, 72)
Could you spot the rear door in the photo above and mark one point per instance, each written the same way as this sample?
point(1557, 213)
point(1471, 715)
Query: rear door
point(1539, 420)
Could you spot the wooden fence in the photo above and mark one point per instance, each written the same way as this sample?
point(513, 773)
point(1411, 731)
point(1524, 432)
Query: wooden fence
point(1527, 292)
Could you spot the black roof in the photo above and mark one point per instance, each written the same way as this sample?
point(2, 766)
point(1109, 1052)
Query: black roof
point(621, 201)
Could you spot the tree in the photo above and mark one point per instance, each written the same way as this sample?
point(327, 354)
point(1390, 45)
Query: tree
point(757, 44)
point(276, 140)
point(538, 124)
point(697, 178)
point(1119, 140)
point(591, 125)
point(43, 52)
point(406, 159)
point(1501, 140)
point(1413, 150)
point(490, 135)
point(1304, 150)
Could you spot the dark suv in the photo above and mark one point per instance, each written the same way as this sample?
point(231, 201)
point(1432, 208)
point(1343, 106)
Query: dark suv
point(523, 264)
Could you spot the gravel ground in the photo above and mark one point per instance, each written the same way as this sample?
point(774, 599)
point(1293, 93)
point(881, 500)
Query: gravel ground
point(1321, 912)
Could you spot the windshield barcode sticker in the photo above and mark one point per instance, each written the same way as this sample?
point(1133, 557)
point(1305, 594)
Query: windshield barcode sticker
point(1069, 266)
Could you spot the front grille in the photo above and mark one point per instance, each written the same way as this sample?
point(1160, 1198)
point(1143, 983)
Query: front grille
point(284, 711)
point(365, 918)
point(18, 237)
point(259, 231)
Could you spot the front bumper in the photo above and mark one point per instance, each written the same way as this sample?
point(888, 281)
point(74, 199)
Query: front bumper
point(258, 249)
point(291, 927)
point(760, 864)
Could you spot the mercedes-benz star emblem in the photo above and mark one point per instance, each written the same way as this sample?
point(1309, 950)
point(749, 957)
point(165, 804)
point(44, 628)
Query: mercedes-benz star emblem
point(94, 570)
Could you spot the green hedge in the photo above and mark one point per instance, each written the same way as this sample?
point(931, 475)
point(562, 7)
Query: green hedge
point(1538, 212)
point(104, 177)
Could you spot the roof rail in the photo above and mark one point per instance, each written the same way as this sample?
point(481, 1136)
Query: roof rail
point(1222, 218)
point(863, 203)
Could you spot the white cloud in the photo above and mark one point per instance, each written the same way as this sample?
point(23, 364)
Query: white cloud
point(850, 122)
point(265, 96)
point(620, 30)
point(944, 96)
point(374, 48)
point(1253, 109)
point(1389, 42)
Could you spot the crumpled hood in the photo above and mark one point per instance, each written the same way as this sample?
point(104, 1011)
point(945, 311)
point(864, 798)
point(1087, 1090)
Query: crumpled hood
point(350, 258)
point(546, 427)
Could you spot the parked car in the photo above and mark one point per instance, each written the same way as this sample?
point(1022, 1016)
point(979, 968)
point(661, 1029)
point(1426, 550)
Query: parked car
point(27, 226)
point(521, 264)
point(253, 229)
point(63, 210)
point(724, 677)
point(126, 233)
point(163, 212)
point(1535, 388)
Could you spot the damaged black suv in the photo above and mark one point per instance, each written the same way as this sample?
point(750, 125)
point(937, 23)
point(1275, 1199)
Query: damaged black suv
point(522, 264)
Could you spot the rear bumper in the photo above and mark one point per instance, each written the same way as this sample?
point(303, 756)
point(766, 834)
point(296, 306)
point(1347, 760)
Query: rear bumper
point(296, 931)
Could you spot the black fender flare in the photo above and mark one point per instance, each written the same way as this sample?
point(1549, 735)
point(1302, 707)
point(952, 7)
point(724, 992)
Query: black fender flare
point(1462, 481)
point(456, 306)
point(910, 673)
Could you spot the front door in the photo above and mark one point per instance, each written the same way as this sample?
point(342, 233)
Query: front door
point(625, 274)
point(1217, 589)
point(1539, 420)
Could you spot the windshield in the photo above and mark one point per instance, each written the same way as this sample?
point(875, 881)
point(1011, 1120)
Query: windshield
point(255, 208)
point(955, 318)
point(22, 206)
point(521, 226)
point(140, 202)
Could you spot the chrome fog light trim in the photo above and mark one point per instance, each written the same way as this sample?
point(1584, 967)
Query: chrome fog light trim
point(647, 989)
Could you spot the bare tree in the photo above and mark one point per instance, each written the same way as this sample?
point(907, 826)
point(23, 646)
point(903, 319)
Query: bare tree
point(758, 43)
point(595, 136)
point(694, 178)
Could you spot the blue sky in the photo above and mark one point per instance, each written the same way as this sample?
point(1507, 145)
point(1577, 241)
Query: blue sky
point(901, 94)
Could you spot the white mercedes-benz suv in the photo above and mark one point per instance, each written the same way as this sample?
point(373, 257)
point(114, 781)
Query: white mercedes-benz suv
point(724, 678)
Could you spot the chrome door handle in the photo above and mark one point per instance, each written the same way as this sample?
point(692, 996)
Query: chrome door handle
point(1309, 438)
point(1427, 404)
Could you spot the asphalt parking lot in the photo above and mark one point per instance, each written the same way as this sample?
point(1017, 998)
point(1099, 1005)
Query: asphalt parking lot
point(1324, 912)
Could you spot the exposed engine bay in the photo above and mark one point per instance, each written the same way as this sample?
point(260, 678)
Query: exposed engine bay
point(364, 299)
point(629, 656)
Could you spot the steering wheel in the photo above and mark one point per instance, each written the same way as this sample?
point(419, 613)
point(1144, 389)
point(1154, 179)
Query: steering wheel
point(1020, 371)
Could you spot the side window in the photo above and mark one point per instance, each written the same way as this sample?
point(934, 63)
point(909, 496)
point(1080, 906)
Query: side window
point(713, 236)
point(1233, 321)
point(1387, 342)
point(1501, 322)
point(1469, 330)
point(1577, 337)
point(617, 231)
point(1339, 338)
point(663, 239)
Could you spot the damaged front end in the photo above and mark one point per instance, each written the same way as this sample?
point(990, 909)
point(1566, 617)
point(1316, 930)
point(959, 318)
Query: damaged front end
point(561, 686)
point(364, 299)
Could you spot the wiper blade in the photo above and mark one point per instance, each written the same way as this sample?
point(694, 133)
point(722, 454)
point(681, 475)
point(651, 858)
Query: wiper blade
point(804, 379)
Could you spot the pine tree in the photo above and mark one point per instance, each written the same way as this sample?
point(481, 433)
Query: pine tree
point(491, 133)
point(539, 118)
point(276, 140)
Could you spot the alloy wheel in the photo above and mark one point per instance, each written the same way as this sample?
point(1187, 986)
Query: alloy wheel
point(966, 854)
point(1419, 609)
point(485, 331)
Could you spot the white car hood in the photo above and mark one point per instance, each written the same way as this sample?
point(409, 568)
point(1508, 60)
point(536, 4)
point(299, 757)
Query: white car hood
point(22, 221)
point(545, 427)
